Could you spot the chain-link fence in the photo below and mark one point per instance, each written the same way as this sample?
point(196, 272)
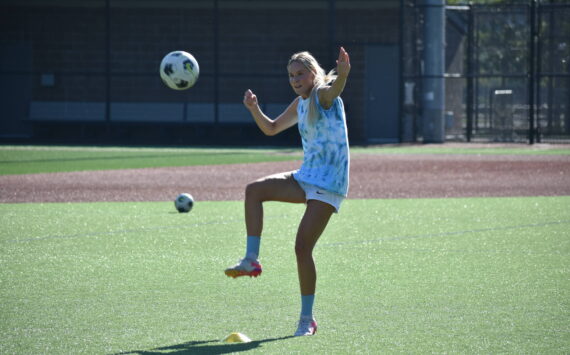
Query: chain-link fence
point(507, 71)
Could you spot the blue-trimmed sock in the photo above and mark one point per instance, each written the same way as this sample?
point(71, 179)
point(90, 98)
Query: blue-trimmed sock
point(252, 247)
point(307, 305)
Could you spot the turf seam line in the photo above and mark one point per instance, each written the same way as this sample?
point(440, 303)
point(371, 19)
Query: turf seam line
point(445, 234)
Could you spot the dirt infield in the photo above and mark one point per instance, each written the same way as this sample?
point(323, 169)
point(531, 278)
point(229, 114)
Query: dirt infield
point(372, 176)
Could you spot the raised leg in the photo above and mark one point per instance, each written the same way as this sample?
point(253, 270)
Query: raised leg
point(279, 187)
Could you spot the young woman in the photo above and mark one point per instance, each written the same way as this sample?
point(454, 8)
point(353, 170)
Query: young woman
point(321, 182)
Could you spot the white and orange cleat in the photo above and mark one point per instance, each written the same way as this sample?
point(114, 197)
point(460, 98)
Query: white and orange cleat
point(245, 267)
point(307, 326)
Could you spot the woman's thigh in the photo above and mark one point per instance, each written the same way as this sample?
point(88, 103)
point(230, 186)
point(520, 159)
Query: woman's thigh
point(278, 187)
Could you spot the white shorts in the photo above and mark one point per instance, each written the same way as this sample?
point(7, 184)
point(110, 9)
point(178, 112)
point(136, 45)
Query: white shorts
point(313, 192)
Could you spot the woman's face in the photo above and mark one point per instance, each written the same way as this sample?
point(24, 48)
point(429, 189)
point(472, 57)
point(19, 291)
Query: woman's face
point(301, 79)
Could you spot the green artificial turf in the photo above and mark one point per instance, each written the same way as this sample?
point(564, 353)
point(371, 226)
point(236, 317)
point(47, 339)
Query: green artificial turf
point(47, 159)
point(478, 275)
point(514, 149)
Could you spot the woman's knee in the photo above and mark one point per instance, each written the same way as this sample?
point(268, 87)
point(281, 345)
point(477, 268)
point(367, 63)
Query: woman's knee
point(254, 191)
point(302, 249)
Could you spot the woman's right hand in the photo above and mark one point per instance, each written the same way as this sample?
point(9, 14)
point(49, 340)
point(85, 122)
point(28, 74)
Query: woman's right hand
point(250, 100)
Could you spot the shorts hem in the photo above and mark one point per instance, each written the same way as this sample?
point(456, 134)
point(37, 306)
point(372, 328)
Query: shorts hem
point(313, 192)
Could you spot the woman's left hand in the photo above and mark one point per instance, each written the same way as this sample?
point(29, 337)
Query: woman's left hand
point(343, 63)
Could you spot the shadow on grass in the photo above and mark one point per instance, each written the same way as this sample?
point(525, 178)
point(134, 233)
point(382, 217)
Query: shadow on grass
point(204, 347)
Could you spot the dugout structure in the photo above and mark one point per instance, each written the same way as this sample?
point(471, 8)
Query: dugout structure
point(87, 71)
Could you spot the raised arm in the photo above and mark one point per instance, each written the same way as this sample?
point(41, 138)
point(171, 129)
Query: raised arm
point(329, 93)
point(268, 126)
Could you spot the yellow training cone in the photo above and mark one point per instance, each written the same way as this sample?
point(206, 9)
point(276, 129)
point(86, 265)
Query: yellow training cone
point(237, 338)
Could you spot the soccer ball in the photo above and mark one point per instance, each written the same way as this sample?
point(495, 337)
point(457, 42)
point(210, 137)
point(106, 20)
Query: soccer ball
point(184, 203)
point(179, 70)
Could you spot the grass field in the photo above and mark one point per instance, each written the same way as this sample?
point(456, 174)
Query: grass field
point(40, 159)
point(413, 276)
point(477, 275)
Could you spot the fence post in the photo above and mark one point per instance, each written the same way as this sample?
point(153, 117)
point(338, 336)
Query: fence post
point(216, 25)
point(532, 73)
point(470, 74)
point(108, 65)
point(433, 95)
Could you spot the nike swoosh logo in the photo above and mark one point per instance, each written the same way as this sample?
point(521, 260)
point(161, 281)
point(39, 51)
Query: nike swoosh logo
point(320, 193)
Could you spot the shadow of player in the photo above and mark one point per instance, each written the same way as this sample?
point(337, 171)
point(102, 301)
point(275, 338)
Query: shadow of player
point(203, 347)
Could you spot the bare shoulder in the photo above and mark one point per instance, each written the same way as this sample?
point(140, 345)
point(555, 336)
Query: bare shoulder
point(293, 105)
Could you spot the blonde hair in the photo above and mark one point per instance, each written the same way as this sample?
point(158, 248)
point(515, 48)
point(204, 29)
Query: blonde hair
point(321, 78)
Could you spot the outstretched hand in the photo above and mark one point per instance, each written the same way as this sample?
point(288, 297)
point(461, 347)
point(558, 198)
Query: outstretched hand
point(328, 94)
point(249, 100)
point(343, 63)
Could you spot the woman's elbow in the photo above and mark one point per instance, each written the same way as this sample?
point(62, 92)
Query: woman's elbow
point(270, 130)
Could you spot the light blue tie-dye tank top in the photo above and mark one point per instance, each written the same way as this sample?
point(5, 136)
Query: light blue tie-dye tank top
point(326, 158)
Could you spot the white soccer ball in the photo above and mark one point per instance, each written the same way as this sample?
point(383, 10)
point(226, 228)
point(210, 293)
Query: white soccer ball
point(179, 70)
point(184, 203)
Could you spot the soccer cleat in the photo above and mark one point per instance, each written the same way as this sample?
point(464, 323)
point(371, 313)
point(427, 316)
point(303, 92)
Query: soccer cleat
point(307, 326)
point(245, 267)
